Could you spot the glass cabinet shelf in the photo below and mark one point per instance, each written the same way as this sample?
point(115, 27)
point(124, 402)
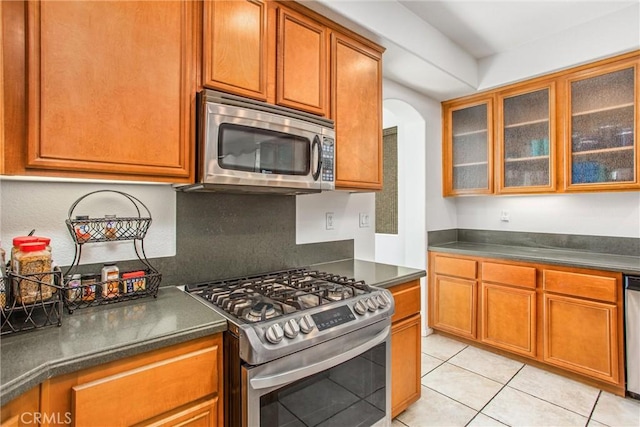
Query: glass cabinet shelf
point(473, 132)
point(526, 159)
point(529, 123)
point(462, 165)
point(603, 150)
point(602, 110)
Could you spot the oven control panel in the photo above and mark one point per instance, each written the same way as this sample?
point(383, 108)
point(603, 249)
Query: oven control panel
point(334, 317)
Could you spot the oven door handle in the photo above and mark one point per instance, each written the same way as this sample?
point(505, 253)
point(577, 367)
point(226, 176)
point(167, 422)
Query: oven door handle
point(321, 364)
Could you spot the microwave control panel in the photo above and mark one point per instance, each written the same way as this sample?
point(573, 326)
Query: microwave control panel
point(328, 156)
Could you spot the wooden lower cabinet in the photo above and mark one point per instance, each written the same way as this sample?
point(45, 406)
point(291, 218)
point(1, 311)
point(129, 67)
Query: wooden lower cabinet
point(582, 336)
point(22, 411)
point(555, 316)
point(454, 305)
point(509, 318)
point(177, 385)
point(405, 346)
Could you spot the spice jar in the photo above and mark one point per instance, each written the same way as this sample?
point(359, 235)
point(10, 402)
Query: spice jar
point(32, 260)
point(110, 227)
point(111, 280)
point(74, 291)
point(82, 228)
point(89, 287)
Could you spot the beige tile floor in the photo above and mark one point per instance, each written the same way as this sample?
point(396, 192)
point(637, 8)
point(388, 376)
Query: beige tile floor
point(465, 386)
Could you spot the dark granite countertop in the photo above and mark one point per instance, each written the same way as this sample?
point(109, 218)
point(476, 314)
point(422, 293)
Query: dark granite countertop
point(572, 258)
point(373, 273)
point(98, 335)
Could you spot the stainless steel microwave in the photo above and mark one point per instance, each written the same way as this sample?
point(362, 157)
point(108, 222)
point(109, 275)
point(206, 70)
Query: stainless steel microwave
point(251, 146)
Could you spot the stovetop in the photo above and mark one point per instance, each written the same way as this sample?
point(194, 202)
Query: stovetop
point(278, 313)
point(264, 297)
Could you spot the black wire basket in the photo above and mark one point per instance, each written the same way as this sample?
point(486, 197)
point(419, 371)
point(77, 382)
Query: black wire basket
point(90, 290)
point(30, 301)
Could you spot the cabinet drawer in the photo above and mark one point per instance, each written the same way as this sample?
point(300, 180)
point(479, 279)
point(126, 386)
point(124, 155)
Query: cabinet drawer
point(407, 299)
point(141, 393)
point(509, 274)
point(457, 267)
point(581, 285)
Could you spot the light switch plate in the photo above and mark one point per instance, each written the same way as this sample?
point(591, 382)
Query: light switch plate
point(329, 223)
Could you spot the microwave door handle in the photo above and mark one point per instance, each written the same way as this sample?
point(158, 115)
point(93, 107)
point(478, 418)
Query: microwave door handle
point(318, 146)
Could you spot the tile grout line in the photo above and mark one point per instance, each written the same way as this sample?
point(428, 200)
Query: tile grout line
point(550, 403)
point(594, 409)
point(494, 396)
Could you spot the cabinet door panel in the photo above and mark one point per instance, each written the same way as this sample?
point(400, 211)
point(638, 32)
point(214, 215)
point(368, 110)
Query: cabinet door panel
point(581, 336)
point(93, 67)
point(302, 66)
point(526, 140)
point(467, 157)
point(457, 267)
point(235, 47)
point(204, 414)
point(455, 306)
point(509, 318)
point(602, 117)
point(356, 96)
point(169, 381)
point(405, 363)
point(407, 299)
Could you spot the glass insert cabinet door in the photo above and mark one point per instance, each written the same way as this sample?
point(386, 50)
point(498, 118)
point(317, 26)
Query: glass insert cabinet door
point(468, 156)
point(526, 144)
point(603, 113)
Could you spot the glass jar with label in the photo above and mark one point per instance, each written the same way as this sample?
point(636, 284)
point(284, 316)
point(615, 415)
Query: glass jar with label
point(110, 231)
point(110, 280)
point(74, 289)
point(30, 262)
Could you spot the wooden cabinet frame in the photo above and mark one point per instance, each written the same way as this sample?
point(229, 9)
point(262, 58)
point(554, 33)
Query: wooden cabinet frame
point(448, 108)
point(549, 293)
point(560, 136)
point(501, 188)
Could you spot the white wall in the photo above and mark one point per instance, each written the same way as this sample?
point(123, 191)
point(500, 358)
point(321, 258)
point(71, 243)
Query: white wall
point(440, 211)
point(43, 205)
point(407, 248)
point(598, 214)
point(616, 33)
point(346, 208)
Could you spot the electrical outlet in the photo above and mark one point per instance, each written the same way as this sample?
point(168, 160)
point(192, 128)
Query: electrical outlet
point(329, 223)
point(364, 220)
point(504, 216)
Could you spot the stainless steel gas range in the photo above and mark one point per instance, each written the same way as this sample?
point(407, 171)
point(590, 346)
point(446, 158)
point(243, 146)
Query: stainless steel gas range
point(304, 348)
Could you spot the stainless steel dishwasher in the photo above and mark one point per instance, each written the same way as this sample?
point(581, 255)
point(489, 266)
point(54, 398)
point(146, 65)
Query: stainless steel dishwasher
point(632, 327)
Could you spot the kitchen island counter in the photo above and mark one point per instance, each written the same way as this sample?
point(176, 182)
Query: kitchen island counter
point(571, 258)
point(97, 335)
point(373, 273)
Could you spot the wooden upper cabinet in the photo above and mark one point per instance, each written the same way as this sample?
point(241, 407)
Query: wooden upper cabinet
point(526, 139)
point(356, 98)
point(111, 88)
point(602, 122)
point(235, 47)
point(467, 151)
point(302, 64)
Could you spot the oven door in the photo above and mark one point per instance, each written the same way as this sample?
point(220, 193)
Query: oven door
point(251, 148)
point(342, 382)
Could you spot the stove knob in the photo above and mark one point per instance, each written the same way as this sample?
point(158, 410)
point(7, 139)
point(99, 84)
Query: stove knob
point(360, 307)
point(372, 305)
point(274, 333)
point(382, 301)
point(306, 324)
point(291, 328)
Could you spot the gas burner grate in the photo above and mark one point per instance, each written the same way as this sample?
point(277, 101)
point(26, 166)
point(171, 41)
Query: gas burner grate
point(262, 297)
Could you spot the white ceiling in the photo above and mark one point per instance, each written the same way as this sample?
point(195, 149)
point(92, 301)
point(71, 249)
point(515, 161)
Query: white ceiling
point(444, 48)
point(484, 28)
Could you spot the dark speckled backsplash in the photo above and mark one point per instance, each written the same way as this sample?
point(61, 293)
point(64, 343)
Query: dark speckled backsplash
point(599, 244)
point(221, 235)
